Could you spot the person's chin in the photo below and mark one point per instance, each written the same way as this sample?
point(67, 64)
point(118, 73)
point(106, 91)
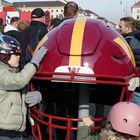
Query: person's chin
point(16, 66)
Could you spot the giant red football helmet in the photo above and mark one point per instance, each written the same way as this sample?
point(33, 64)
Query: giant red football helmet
point(83, 50)
point(87, 44)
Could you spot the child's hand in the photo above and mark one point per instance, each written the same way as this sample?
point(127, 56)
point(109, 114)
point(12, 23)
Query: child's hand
point(37, 58)
point(33, 98)
point(87, 121)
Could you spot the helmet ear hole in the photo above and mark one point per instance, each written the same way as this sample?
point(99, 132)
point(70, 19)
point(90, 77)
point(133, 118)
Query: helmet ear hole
point(108, 123)
point(125, 120)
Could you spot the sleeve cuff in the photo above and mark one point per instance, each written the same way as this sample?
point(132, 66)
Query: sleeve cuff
point(35, 65)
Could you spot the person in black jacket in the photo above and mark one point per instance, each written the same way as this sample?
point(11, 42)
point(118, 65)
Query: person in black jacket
point(127, 29)
point(29, 33)
point(37, 26)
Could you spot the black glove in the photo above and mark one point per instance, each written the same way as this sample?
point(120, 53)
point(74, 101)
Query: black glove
point(37, 58)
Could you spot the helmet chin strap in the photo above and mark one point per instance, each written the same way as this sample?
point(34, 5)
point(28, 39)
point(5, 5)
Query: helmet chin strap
point(4, 60)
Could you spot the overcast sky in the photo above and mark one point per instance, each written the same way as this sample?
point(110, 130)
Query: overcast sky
point(113, 10)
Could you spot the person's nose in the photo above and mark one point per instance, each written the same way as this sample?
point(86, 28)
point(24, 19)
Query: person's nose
point(18, 56)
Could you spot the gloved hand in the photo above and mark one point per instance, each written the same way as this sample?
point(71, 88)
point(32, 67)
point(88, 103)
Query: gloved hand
point(33, 98)
point(39, 56)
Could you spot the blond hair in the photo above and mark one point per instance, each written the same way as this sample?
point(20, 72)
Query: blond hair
point(108, 133)
point(23, 24)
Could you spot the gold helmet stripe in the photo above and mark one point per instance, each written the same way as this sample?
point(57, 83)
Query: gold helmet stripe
point(76, 42)
point(126, 48)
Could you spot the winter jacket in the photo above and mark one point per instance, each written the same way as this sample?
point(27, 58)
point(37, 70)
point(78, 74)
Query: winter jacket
point(84, 133)
point(136, 51)
point(12, 106)
point(29, 34)
point(12, 31)
point(9, 27)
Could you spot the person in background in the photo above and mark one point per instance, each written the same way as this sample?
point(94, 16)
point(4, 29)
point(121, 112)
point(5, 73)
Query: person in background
point(13, 25)
point(23, 24)
point(37, 25)
point(71, 10)
point(53, 22)
point(58, 108)
point(12, 101)
point(122, 124)
point(127, 29)
point(12, 28)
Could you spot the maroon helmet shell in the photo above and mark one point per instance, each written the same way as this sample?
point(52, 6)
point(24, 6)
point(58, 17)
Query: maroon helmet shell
point(87, 44)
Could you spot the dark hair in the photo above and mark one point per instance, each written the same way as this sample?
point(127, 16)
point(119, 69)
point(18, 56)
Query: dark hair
point(129, 21)
point(70, 9)
point(54, 21)
point(14, 19)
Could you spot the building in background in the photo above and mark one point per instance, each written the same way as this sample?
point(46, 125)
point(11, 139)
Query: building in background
point(5, 5)
point(136, 10)
point(91, 14)
point(54, 8)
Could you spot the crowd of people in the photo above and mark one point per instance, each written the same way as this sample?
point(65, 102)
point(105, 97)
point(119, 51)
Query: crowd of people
point(16, 72)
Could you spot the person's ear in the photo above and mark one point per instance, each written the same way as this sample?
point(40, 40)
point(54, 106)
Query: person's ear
point(77, 14)
point(16, 24)
point(42, 19)
point(63, 14)
point(128, 29)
